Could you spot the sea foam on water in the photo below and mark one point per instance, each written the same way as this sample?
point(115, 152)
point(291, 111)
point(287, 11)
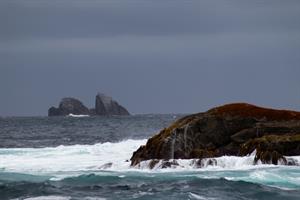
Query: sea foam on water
point(75, 160)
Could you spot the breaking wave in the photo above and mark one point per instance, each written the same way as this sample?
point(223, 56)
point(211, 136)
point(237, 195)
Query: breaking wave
point(72, 115)
point(111, 161)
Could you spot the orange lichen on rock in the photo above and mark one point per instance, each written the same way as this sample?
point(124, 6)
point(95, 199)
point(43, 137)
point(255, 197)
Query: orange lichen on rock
point(248, 110)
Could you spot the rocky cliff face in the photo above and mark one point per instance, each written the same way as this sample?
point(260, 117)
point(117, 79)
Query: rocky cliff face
point(233, 129)
point(69, 106)
point(105, 105)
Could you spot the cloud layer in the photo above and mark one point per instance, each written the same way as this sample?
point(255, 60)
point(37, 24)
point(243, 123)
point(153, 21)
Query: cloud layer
point(155, 56)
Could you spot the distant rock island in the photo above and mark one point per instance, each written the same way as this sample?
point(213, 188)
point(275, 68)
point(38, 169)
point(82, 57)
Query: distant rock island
point(69, 106)
point(104, 105)
point(237, 129)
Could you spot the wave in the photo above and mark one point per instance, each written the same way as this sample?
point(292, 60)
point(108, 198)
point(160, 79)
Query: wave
point(218, 163)
point(74, 158)
point(143, 186)
point(111, 161)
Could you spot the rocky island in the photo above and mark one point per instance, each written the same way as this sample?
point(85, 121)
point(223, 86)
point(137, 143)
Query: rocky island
point(234, 129)
point(69, 106)
point(104, 105)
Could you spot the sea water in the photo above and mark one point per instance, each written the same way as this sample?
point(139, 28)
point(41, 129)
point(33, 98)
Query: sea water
point(65, 158)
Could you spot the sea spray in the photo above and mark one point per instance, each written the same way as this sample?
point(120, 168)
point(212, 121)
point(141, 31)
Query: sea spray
point(108, 156)
point(68, 158)
point(78, 167)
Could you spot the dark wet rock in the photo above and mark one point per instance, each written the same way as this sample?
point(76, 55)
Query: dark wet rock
point(69, 106)
point(225, 130)
point(211, 162)
point(168, 163)
point(106, 165)
point(153, 163)
point(271, 149)
point(162, 164)
point(292, 162)
point(105, 105)
point(267, 128)
point(196, 163)
point(199, 163)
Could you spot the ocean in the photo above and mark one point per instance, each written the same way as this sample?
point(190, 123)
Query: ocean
point(87, 158)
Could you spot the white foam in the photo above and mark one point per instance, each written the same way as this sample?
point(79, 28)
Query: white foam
point(75, 158)
point(72, 115)
point(216, 164)
point(65, 161)
point(105, 156)
point(196, 196)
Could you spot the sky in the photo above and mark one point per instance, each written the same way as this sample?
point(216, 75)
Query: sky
point(152, 56)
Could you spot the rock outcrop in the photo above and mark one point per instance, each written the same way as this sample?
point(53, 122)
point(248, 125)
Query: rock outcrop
point(233, 129)
point(69, 106)
point(105, 105)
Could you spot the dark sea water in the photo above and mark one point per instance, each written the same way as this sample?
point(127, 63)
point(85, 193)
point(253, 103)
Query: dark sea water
point(63, 158)
point(54, 131)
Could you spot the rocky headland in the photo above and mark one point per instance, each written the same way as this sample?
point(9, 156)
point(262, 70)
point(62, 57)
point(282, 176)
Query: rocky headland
point(104, 105)
point(234, 129)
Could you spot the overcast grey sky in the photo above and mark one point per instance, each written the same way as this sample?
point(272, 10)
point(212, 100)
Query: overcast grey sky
point(154, 56)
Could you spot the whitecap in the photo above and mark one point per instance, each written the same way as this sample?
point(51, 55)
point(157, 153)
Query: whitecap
point(72, 115)
point(113, 158)
point(74, 159)
point(196, 196)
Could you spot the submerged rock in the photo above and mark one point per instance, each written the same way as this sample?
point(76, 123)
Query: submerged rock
point(105, 105)
point(233, 129)
point(69, 106)
point(106, 165)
